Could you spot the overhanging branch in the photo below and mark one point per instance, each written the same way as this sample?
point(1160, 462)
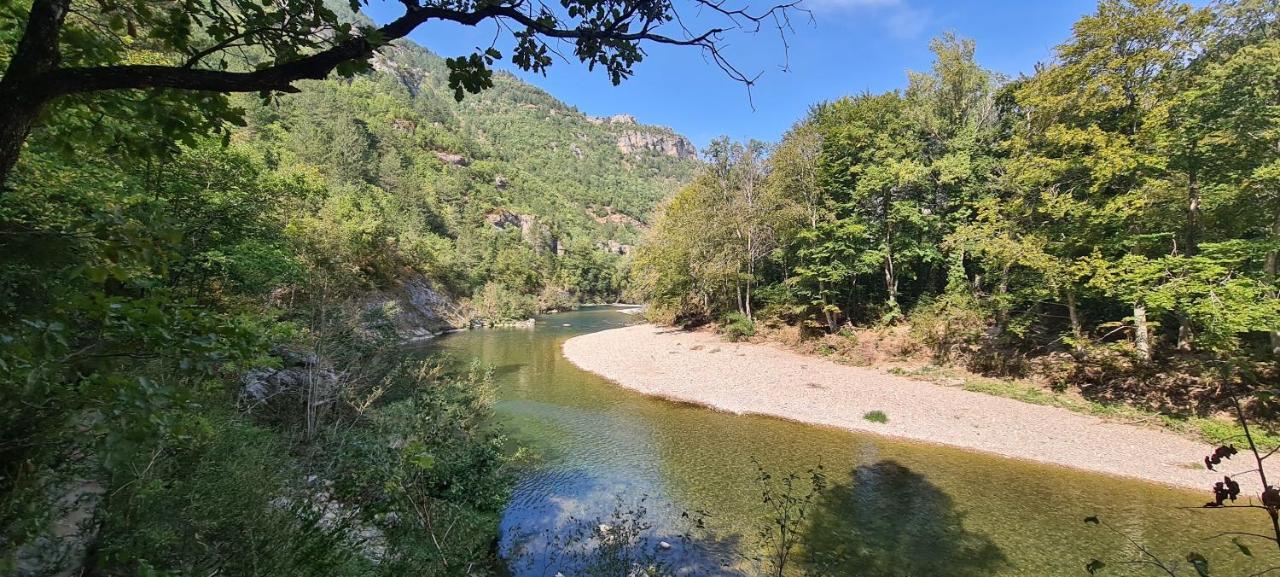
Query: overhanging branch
point(280, 77)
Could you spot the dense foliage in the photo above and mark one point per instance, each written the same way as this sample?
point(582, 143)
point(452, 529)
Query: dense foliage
point(1119, 205)
point(510, 187)
point(198, 375)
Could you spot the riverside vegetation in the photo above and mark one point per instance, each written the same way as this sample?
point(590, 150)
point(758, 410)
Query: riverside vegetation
point(1107, 224)
point(212, 251)
point(203, 295)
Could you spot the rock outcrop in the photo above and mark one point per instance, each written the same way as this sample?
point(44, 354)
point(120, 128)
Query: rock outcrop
point(615, 119)
point(635, 141)
point(300, 372)
point(614, 247)
point(451, 158)
point(532, 232)
point(413, 310)
point(385, 61)
point(61, 547)
point(330, 514)
point(612, 216)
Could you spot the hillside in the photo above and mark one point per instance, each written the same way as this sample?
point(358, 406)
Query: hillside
point(510, 196)
point(511, 149)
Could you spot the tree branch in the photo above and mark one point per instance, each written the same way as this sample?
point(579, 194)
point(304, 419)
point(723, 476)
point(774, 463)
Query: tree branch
point(37, 52)
point(319, 65)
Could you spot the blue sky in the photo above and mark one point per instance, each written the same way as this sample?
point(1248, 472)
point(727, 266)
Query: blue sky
point(849, 47)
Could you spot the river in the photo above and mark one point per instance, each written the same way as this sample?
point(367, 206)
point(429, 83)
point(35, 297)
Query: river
point(892, 507)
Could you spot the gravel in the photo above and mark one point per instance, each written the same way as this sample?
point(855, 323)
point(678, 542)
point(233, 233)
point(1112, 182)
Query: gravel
point(762, 379)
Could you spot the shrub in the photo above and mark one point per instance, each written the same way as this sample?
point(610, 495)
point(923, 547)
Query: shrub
point(737, 327)
point(495, 304)
point(556, 299)
point(208, 503)
point(426, 460)
point(876, 417)
point(950, 326)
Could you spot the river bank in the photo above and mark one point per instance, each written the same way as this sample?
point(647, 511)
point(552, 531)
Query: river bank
point(761, 379)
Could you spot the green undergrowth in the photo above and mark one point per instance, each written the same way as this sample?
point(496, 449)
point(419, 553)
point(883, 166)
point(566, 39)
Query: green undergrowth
point(876, 417)
point(1214, 430)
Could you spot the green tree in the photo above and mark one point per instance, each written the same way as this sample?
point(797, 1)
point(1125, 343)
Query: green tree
point(872, 165)
point(1084, 151)
point(102, 52)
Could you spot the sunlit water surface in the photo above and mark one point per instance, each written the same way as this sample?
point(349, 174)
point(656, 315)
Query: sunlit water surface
point(896, 507)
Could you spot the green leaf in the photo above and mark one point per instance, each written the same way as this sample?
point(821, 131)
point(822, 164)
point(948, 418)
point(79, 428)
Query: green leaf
point(96, 274)
point(423, 461)
point(1094, 566)
point(1244, 549)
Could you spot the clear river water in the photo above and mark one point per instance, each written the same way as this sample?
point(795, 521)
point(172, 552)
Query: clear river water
point(893, 508)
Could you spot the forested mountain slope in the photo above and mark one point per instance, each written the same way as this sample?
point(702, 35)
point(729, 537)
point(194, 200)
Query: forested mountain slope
point(510, 191)
point(511, 147)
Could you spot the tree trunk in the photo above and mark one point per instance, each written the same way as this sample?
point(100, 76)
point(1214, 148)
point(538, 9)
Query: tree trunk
point(1186, 336)
point(1192, 239)
point(751, 266)
point(1002, 307)
point(1272, 268)
point(826, 307)
point(1141, 332)
point(36, 54)
point(890, 275)
point(1192, 242)
point(1077, 327)
point(16, 120)
point(890, 282)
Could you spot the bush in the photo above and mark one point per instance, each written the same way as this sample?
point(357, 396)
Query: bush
point(951, 326)
point(496, 304)
point(426, 462)
point(876, 417)
point(556, 299)
point(208, 503)
point(737, 327)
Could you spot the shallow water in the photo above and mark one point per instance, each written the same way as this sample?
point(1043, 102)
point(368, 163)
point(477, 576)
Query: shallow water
point(894, 507)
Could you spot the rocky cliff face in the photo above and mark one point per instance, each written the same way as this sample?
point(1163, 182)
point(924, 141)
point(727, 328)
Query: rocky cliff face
point(386, 61)
point(674, 145)
point(413, 310)
point(615, 119)
point(532, 232)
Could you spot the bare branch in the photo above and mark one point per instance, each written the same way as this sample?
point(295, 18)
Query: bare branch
point(1240, 534)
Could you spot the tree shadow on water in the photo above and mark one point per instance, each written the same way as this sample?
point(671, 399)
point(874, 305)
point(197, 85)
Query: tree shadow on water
point(890, 521)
